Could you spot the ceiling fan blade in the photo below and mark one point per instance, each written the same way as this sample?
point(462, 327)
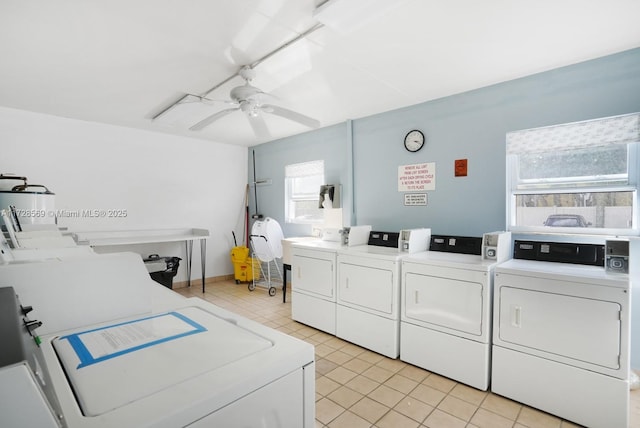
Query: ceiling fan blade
point(213, 101)
point(259, 126)
point(291, 115)
point(209, 120)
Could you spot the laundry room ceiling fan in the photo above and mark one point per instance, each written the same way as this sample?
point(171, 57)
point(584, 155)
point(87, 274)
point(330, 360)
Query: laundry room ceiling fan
point(249, 100)
point(246, 99)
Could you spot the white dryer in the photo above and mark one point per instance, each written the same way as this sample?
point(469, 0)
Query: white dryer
point(313, 278)
point(446, 309)
point(562, 331)
point(313, 284)
point(368, 304)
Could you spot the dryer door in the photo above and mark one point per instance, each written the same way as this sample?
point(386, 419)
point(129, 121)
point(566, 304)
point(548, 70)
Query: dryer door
point(312, 273)
point(579, 328)
point(368, 287)
point(445, 302)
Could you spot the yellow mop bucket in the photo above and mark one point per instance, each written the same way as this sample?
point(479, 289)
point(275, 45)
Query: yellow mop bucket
point(243, 265)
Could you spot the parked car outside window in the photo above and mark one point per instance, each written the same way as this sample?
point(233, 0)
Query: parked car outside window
point(566, 220)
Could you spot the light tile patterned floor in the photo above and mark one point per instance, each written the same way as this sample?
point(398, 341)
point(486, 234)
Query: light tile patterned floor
point(359, 388)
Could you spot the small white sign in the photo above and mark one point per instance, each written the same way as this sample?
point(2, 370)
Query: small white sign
point(420, 176)
point(126, 336)
point(415, 199)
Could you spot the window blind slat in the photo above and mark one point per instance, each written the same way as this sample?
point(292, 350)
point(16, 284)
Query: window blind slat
point(591, 133)
point(304, 169)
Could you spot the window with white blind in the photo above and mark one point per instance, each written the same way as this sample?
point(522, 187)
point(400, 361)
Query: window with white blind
point(578, 177)
point(302, 192)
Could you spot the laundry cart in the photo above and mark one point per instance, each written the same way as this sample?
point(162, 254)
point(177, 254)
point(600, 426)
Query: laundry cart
point(266, 246)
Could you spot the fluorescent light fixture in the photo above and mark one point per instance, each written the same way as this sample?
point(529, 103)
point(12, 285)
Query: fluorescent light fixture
point(345, 16)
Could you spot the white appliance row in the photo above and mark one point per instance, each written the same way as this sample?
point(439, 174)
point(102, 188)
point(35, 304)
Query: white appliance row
point(353, 291)
point(549, 331)
point(116, 349)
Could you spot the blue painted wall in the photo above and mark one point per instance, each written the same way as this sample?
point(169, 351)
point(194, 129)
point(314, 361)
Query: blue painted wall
point(470, 125)
point(328, 144)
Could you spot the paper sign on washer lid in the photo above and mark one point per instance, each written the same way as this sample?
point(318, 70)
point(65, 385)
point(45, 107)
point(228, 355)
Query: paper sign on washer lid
point(140, 368)
point(101, 344)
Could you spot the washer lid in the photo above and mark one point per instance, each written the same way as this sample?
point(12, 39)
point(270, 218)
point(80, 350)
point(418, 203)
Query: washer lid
point(114, 365)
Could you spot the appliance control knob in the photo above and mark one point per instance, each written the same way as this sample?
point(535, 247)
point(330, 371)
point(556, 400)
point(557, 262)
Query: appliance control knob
point(26, 309)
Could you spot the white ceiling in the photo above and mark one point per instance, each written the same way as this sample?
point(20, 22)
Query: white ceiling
point(122, 61)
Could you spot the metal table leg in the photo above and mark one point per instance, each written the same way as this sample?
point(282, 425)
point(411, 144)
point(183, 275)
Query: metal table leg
point(189, 253)
point(203, 259)
point(285, 268)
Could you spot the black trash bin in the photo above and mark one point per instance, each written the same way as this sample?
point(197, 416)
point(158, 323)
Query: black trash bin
point(162, 269)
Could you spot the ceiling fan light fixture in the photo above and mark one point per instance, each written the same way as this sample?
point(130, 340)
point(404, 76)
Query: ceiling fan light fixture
point(249, 108)
point(245, 98)
point(247, 73)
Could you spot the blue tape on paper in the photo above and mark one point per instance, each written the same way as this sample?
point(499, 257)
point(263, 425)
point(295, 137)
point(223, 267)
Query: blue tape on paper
point(86, 359)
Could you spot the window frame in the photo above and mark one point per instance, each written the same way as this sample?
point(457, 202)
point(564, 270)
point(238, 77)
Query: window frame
point(290, 199)
point(570, 185)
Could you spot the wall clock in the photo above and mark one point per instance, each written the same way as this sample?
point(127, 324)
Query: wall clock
point(414, 140)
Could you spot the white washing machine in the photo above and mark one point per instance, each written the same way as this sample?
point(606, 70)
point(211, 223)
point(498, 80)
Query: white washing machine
point(368, 303)
point(172, 362)
point(562, 331)
point(50, 244)
point(446, 309)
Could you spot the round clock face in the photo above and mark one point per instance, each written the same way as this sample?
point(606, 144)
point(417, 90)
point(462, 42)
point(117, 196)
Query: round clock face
point(414, 140)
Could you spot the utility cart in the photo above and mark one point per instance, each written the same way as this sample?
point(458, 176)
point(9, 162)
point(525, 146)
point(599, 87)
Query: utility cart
point(266, 247)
